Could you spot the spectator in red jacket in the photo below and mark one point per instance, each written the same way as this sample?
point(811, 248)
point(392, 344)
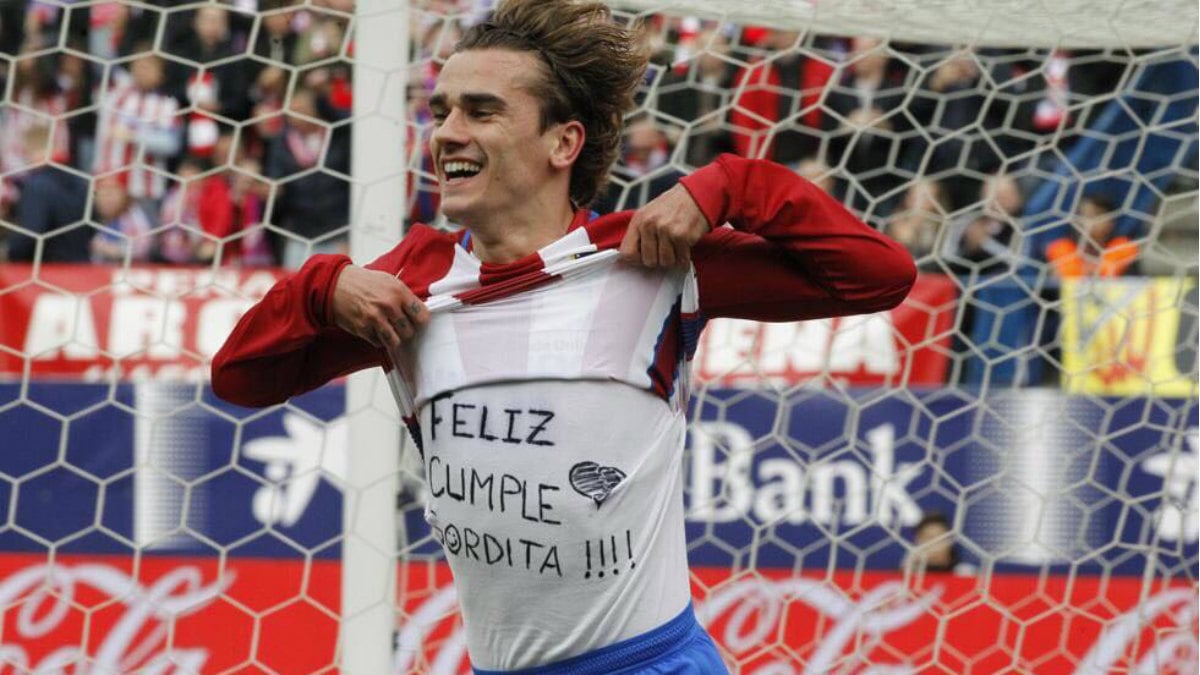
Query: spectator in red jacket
point(786, 91)
point(197, 214)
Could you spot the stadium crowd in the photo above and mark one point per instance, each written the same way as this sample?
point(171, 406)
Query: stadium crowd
point(201, 129)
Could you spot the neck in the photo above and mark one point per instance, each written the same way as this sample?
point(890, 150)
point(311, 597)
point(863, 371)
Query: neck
point(515, 236)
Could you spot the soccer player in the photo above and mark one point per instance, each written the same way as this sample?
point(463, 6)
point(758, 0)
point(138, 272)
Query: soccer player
point(551, 409)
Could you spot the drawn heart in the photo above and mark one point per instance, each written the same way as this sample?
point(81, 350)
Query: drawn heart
point(594, 481)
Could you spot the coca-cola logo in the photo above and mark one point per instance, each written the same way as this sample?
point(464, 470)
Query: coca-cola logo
point(742, 617)
point(746, 615)
point(37, 600)
point(888, 629)
point(1173, 614)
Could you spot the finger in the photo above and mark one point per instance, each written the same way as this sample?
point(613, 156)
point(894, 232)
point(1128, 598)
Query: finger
point(404, 328)
point(370, 336)
point(649, 247)
point(683, 254)
point(385, 339)
point(388, 311)
point(416, 312)
point(631, 244)
point(666, 252)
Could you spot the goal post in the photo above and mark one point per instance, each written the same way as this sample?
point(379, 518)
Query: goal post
point(372, 480)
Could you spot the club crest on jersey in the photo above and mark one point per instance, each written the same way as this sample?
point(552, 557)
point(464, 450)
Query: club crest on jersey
point(594, 481)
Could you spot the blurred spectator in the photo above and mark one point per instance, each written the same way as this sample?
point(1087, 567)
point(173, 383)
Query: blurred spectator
point(319, 36)
point(867, 131)
point(643, 172)
point(195, 214)
point(267, 98)
point(125, 227)
point(934, 548)
point(37, 101)
point(981, 241)
point(423, 198)
point(139, 131)
point(917, 222)
point(276, 41)
point(219, 88)
point(952, 106)
point(699, 93)
point(1051, 111)
point(75, 85)
point(52, 201)
point(315, 203)
point(818, 173)
point(1093, 249)
point(248, 246)
point(109, 23)
point(12, 26)
point(784, 90)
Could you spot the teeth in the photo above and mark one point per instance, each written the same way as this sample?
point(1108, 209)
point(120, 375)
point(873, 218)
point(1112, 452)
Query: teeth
point(461, 167)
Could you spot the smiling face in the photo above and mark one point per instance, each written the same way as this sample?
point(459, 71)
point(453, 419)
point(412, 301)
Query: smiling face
point(494, 162)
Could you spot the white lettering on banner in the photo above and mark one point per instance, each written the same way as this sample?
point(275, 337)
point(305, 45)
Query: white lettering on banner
point(148, 330)
point(46, 594)
point(773, 489)
point(215, 322)
point(1178, 517)
point(739, 347)
point(295, 464)
point(144, 324)
point(168, 282)
point(866, 342)
point(61, 323)
point(796, 347)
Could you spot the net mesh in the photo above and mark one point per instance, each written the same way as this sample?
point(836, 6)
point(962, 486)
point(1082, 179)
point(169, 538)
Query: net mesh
point(997, 476)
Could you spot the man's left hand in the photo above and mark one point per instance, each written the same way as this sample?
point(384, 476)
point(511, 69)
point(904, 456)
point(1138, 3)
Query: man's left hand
point(663, 232)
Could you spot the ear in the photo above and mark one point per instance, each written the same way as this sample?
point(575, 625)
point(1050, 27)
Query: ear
point(568, 142)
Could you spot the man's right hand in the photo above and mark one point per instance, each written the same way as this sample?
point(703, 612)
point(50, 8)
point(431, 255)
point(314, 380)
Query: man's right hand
point(377, 307)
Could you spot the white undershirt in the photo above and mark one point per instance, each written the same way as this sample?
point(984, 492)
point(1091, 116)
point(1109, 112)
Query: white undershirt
point(559, 505)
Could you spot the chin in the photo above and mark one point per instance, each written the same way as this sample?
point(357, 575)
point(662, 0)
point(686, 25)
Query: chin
point(455, 209)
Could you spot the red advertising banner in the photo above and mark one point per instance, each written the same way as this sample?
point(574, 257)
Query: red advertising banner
point(905, 346)
point(82, 321)
point(105, 614)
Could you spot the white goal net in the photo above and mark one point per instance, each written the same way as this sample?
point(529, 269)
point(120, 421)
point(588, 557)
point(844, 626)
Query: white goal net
point(999, 475)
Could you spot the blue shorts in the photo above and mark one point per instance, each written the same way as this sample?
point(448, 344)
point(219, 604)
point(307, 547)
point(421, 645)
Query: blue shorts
point(678, 647)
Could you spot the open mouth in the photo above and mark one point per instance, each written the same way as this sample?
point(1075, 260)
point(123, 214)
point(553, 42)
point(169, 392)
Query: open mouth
point(460, 170)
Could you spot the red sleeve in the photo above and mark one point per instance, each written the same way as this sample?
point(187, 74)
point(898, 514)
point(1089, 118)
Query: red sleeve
point(793, 252)
point(287, 344)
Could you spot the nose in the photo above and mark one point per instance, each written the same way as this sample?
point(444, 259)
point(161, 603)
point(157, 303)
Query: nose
point(451, 133)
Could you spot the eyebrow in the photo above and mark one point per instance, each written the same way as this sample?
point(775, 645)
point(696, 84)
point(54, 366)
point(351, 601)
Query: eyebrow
point(469, 100)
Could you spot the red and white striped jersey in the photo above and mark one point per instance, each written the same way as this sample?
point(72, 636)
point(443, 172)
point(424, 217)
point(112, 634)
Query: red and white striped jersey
point(137, 133)
point(578, 315)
